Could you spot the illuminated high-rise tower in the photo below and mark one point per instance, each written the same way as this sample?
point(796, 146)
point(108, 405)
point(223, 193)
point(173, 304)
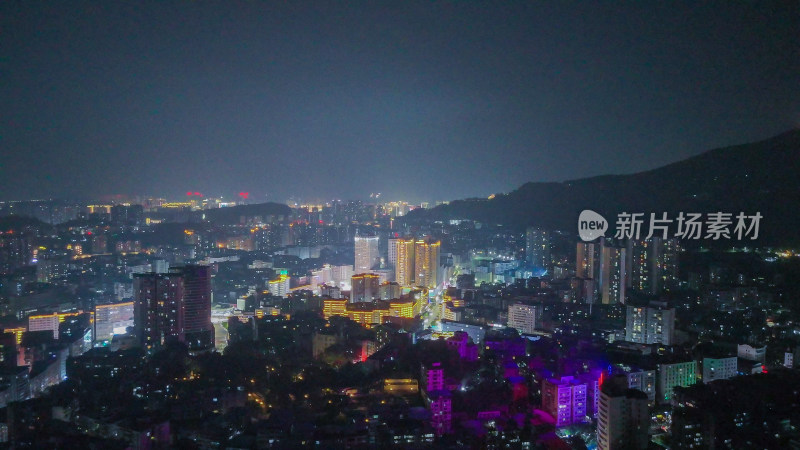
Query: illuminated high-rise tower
point(613, 275)
point(537, 248)
point(404, 269)
point(587, 259)
point(426, 263)
point(367, 254)
point(198, 329)
point(174, 306)
point(158, 310)
point(364, 287)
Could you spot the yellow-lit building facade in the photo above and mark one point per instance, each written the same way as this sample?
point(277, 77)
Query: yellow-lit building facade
point(426, 263)
point(404, 270)
point(334, 307)
point(417, 262)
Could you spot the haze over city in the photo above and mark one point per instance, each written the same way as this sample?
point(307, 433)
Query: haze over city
point(417, 100)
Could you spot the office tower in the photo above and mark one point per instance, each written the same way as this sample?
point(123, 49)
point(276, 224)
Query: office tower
point(537, 248)
point(565, 399)
point(199, 332)
point(426, 263)
point(364, 287)
point(653, 324)
point(174, 306)
point(613, 274)
point(719, 368)
point(367, 254)
point(622, 419)
point(672, 375)
point(522, 317)
point(404, 270)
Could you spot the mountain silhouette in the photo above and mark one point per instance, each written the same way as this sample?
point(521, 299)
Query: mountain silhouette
point(758, 177)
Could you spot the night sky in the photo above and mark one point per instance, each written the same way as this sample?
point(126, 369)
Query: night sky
point(418, 100)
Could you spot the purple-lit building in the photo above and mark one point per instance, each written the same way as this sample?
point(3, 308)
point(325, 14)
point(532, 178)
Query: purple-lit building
point(466, 349)
point(441, 412)
point(437, 398)
point(565, 399)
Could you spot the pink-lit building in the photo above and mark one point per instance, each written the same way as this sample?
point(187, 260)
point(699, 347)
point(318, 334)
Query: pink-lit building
point(437, 398)
point(433, 377)
point(466, 349)
point(441, 412)
point(565, 399)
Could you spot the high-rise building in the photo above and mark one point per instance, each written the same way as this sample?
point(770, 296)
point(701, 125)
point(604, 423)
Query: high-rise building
point(389, 290)
point(404, 269)
point(587, 259)
point(174, 306)
point(653, 264)
point(198, 329)
point(653, 324)
point(640, 256)
point(364, 287)
point(437, 398)
point(565, 399)
point(426, 263)
point(666, 257)
point(112, 319)
point(537, 248)
point(613, 274)
point(158, 308)
point(392, 252)
point(622, 419)
point(522, 317)
point(672, 375)
point(279, 287)
point(643, 380)
point(367, 253)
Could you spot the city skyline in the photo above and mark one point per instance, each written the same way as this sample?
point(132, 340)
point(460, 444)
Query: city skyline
point(518, 225)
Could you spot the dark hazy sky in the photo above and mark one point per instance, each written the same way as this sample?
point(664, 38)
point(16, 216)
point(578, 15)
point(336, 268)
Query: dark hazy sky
point(417, 100)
